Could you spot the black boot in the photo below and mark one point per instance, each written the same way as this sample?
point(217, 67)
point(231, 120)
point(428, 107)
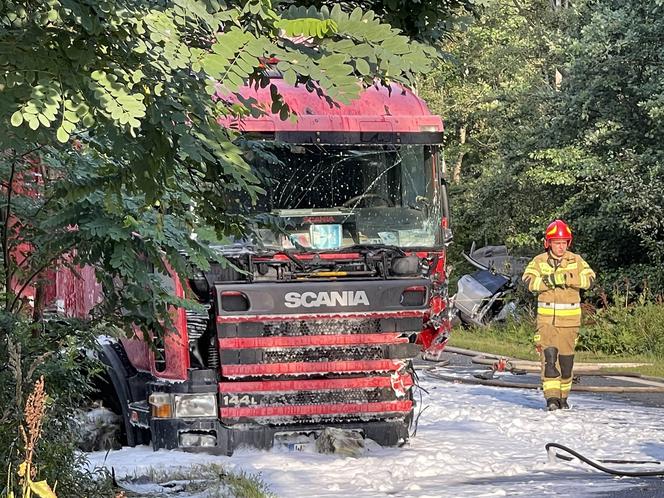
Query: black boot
point(563, 404)
point(553, 404)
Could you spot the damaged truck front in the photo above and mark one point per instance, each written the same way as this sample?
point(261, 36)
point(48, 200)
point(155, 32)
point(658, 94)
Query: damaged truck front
point(318, 322)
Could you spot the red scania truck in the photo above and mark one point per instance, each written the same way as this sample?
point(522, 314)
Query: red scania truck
point(319, 320)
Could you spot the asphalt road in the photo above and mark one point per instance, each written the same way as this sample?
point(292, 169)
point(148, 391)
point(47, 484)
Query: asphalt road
point(464, 362)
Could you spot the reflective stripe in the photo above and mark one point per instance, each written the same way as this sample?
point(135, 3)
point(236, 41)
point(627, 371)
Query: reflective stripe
point(558, 312)
point(559, 306)
point(545, 269)
point(566, 386)
point(559, 278)
point(585, 278)
point(537, 284)
point(571, 266)
point(531, 272)
point(550, 384)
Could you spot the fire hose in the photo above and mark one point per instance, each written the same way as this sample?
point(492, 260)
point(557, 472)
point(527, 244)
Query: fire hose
point(622, 473)
point(525, 385)
point(488, 359)
point(652, 384)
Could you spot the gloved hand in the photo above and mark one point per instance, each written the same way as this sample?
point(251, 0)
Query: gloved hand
point(549, 281)
point(560, 279)
point(557, 279)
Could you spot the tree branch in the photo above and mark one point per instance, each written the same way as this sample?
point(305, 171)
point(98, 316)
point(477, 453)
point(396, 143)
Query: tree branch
point(5, 236)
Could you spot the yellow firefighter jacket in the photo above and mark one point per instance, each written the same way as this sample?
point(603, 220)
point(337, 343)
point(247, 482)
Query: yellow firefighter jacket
point(557, 283)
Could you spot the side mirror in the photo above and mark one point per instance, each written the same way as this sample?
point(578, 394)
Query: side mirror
point(448, 236)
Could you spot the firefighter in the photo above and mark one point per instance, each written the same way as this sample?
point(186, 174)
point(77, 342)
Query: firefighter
point(556, 276)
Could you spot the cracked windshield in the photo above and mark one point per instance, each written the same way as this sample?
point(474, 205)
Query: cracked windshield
point(329, 197)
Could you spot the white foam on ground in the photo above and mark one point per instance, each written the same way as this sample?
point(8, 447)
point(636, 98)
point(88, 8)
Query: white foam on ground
point(471, 441)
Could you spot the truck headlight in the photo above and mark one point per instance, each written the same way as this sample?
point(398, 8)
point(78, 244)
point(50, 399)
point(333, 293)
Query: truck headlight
point(195, 405)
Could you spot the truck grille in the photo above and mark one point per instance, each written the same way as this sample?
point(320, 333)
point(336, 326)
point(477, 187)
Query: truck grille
point(320, 327)
point(308, 397)
point(322, 354)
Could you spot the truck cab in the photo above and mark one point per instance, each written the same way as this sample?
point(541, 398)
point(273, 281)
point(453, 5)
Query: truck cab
point(317, 318)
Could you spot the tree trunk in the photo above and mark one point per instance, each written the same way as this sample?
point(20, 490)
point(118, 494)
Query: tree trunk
point(456, 172)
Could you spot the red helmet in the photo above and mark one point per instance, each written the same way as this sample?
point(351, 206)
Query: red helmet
point(557, 230)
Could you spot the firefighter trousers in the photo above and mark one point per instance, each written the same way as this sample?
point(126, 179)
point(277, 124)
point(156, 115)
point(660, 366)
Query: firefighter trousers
point(557, 356)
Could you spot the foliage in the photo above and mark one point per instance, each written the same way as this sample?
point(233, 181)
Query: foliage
point(211, 481)
point(515, 341)
point(425, 20)
point(626, 329)
point(491, 92)
point(112, 155)
point(556, 113)
point(111, 116)
point(31, 431)
point(620, 329)
point(611, 108)
point(28, 355)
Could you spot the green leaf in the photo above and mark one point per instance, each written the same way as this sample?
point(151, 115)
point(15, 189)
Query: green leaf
point(356, 15)
point(362, 67)
point(62, 135)
point(44, 120)
point(332, 60)
point(68, 126)
point(17, 118)
point(290, 77)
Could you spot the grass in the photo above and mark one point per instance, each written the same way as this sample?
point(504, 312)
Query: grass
point(504, 342)
point(209, 481)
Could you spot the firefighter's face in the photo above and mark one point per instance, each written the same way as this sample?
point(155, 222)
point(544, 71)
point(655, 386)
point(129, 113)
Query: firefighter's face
point(558, 247)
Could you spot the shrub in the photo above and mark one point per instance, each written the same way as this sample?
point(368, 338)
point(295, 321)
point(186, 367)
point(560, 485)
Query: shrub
point(626, 330)
point(617, 329)
point(55, 351)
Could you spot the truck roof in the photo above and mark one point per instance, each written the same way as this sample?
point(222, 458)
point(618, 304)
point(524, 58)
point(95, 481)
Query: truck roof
point(392, 114)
